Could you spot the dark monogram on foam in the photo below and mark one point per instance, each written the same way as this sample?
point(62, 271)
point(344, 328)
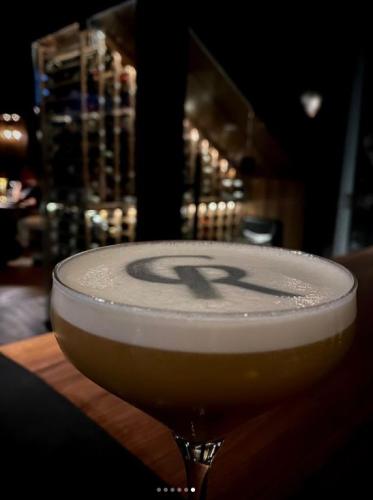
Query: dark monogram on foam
point(193, 277)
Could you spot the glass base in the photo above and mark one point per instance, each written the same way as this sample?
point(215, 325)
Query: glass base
point(198, 458)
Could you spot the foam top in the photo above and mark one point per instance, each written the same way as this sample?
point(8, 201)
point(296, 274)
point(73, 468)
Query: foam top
point(171, 285)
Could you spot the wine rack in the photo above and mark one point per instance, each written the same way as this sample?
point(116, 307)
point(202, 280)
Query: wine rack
point(86, 103)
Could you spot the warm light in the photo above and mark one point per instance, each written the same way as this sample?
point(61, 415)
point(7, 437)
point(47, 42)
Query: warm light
point(311, 102)
point(100, 35)
point(52, 207)
point(227, 183)
point(223, 165)
point(118, 213)
point(194, 135)
point(232, 172)
point(130, 70)
point(7, 117)
point(62, 119)
point(117, 57)
point(132, 212)
point(10, 134)
point(202, 208)
point(191, 209)
point(16, 135)
point(205, 145)
point(190, 106)
point(3, 183)
point(214, 153)
point(221, 205)
point(3, 187)
point(213, 206)
point(231, 205)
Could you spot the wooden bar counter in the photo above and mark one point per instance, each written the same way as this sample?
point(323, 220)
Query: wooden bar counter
point(267, 458)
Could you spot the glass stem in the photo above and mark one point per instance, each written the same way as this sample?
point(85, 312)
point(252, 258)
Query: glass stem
point(197, 458)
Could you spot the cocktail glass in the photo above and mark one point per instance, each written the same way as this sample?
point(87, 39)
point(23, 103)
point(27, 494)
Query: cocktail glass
point(203, 393)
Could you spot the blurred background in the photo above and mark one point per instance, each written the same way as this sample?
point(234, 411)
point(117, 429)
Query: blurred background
point(145, 120)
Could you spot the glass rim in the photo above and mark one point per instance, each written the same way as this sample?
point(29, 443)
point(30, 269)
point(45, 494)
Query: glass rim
point(191, 315)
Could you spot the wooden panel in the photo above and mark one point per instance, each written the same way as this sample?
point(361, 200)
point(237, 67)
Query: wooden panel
point(280, 199)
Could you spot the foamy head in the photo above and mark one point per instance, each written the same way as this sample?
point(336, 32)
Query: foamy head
point(205, 296)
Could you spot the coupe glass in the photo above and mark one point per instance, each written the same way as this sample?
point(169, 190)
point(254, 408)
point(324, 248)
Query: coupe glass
point(200, 395)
